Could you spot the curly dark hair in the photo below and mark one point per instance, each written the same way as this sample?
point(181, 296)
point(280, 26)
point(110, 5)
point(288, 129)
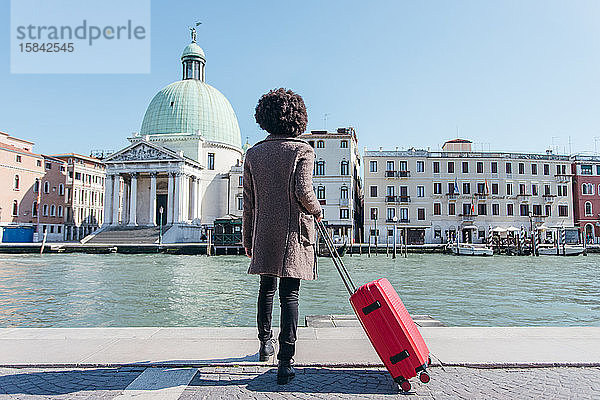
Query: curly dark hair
point(281, 112)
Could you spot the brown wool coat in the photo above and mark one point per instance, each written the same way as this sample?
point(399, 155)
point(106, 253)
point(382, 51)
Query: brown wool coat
point(279, 208)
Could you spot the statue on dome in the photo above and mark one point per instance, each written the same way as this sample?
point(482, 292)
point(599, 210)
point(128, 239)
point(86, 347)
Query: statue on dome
point(193, 32)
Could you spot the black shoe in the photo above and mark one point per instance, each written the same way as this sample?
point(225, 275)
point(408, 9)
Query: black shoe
point(285, 372)
point(266, 350)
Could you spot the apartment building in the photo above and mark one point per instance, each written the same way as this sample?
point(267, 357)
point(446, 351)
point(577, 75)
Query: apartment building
point(337, 181)
point(586, 195)
point(437, 196)
point(49, 207)
point(20, 169)
point(84, 195)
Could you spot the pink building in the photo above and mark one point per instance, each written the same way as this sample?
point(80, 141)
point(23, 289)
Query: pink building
point(51, 200)
point(586, 195)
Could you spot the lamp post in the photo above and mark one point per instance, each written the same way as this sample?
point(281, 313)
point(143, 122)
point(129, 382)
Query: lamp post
point(160, 211)
point(395, 220)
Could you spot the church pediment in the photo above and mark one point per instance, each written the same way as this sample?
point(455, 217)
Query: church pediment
point(143, 151)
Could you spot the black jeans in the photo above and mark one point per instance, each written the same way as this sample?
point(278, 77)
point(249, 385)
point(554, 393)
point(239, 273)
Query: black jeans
point(288, 299)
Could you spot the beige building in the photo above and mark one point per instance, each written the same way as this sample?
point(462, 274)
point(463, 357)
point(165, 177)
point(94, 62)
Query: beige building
point(49, 207)
point(337, 182)
point(434, 196)
point(84, 195)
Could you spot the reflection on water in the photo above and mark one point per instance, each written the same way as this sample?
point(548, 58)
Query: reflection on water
point(83, 290)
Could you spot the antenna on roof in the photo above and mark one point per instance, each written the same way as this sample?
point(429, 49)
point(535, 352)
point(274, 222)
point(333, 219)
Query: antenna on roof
point(325, 120)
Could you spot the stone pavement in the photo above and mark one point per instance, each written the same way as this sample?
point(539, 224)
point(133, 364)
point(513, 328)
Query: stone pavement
point(255, 382)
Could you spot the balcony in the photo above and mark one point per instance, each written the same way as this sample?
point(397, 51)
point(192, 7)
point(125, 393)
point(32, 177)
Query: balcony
point(403, 174)
point(549, 198)
point(322, 202)
point(480, 196)
point(403, 199)
point(523, 197)
point(390, 174)
point(467, 217)
point(399, 220)
point(563, 177)
point(390, 199)
point(452, 196)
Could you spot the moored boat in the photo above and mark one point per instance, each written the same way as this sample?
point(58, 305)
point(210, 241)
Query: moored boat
point(468, 249)
point(561, 250)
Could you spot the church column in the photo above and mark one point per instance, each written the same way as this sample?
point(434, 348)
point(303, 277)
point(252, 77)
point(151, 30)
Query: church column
point(108, 195)
point(115, 202)
point(133, 200)
point(170, 199)
point(152, 219)
point(185, 198)
point(194, 197)
point(177, 199)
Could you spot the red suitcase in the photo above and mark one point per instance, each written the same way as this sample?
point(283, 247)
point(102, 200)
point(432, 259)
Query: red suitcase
point(386, 321)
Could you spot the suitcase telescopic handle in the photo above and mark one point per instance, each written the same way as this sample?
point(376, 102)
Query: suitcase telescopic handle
point(337, 260)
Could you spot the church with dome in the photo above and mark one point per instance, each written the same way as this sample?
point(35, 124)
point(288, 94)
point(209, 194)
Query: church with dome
point(182, 170)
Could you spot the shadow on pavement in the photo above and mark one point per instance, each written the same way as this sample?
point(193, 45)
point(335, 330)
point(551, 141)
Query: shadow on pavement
point(308, 380)
point(67, 381)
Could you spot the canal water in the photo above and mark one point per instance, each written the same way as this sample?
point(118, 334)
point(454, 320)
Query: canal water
point(85, 290)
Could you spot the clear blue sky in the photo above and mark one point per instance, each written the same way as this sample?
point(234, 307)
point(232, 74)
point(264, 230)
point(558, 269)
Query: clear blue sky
point(514, 75)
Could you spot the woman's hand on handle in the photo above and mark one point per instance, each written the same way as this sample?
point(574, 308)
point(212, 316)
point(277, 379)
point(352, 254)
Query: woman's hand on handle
point(248, 252)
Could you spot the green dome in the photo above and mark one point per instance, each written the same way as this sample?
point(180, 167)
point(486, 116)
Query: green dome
point(188, 106)
point(193, 50)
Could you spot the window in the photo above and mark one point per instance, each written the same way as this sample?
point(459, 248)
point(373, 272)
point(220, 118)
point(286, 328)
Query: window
point(533, 169)
point(321, 193)
point(437, 208)
point(437, 188)
point(312, 143)
point(240, 203)
point(495, 188)
point(562, 190)
point(586, 170)
point(587, 188)
point(436, 167)
point(481, 188)
point(52, 210)
point(45, 210)
point(48, 165)
point(38, 163)
point(389, 166)
point(598, 169)
point(482, 209)
point(389, 191)
point(450, 167)
point(320, 144)
point(537, 210)
point(373, 191)
point(465, 167)
point(344, 168)
point(546, 169)
point(343, 144)
point(391, 213)
point(60, 211)
point(403, 166)
point(479, 167)
point(421, 214)
point(344, 192)
point(34, 209)
point(18, 158)
point(466, 188)
point(508, 167)
point(320, 168)
point(546, 190)
point(524, 210)
point(373, 166)
point(510, 209)
point(420, 166)
point(46, 187)
point(495, 209)
point(522, 188)
point(521, 168)
point(420, 191)
point(36, 186)
point(451, 209)
point(240, 181)
point(374, 213)
point(509, 189)
point(450, 188)
point(534, 190)
point(17, 183)
point(344, 213)
point(563, 211)
point(494, 167)
point(77, 176)
point(61, 189)
point(467, 207)
point(404, 215)
point(211, 161)
point(390, 232)
point(548, 210)
point(51, 228)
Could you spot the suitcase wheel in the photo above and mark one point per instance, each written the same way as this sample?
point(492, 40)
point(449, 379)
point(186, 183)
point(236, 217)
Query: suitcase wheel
point(424, 377)
point(405, 386)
